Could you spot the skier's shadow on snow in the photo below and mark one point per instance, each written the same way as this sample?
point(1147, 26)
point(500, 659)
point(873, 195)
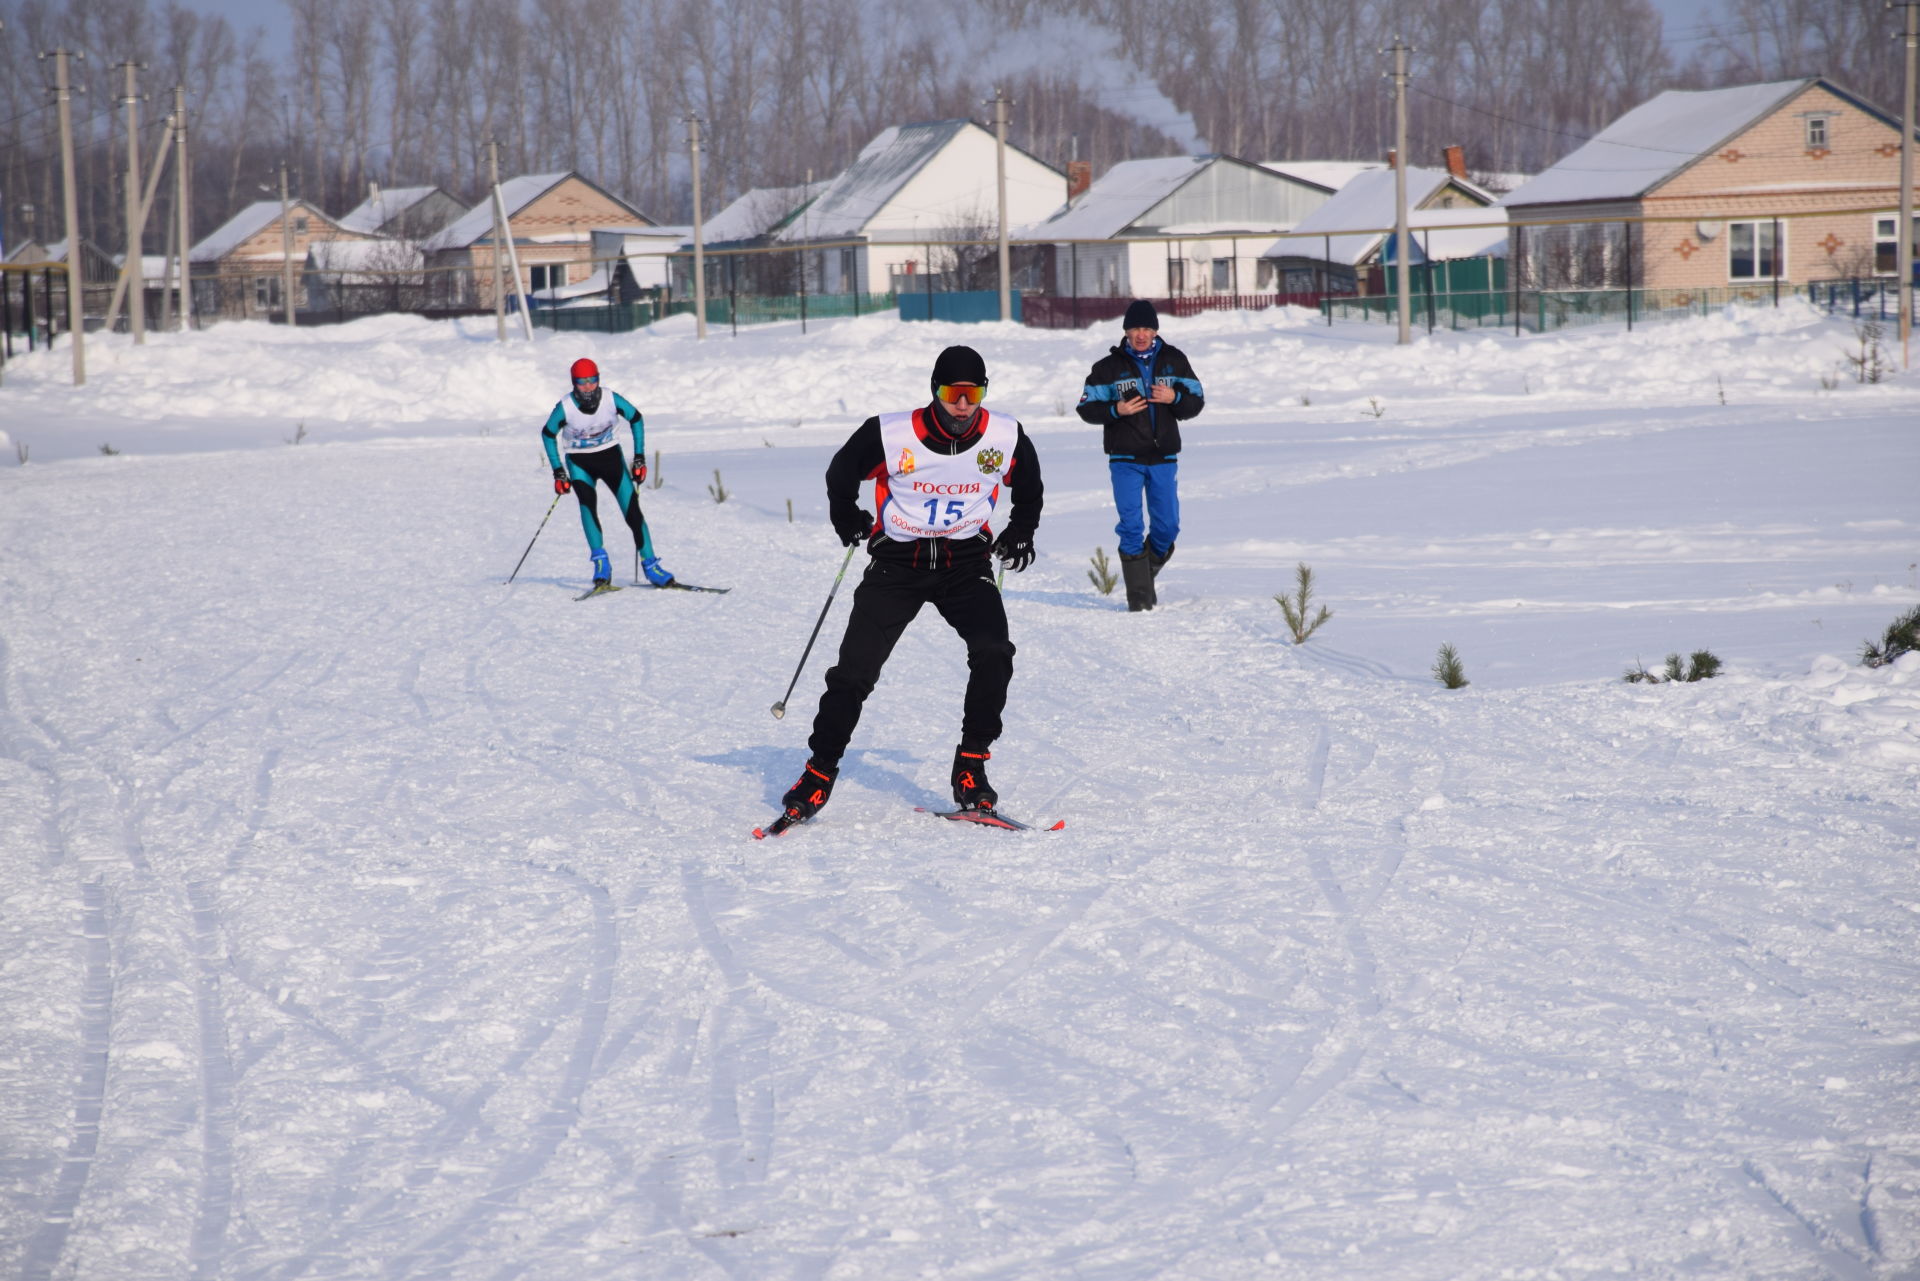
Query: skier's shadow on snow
point(886, 771)
point(1065, 600)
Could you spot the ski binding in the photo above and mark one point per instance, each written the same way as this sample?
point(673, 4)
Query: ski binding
point(599, 589)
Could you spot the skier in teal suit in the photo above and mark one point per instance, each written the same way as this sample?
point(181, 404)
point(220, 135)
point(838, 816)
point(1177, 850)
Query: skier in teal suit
point(582, 428)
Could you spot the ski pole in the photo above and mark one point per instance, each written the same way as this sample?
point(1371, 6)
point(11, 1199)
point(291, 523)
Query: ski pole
point(536, 538)
point(780, 708)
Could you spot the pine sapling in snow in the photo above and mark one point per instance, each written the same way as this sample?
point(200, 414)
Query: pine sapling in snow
point(1701, 665)
point(1295, 608)
point(1901, 637)
point(1102, 573)
point(718, 488)
point(1448, 670)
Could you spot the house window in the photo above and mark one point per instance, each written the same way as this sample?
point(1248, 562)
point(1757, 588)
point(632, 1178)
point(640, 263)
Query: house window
point(1816, 133)
point(1222, 275)
point(266, 293)
point(540, 277)
point(1752, 253)
point(1886, 246)
point(1176, 275)
point(300, 226)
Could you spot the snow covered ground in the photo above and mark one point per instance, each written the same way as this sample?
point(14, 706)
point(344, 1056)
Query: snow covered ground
point(361, 916)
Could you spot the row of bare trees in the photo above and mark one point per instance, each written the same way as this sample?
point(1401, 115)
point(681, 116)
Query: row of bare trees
point(407, 92)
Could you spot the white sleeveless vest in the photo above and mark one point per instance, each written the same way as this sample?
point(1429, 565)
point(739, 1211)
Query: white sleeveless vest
point(925, 494)
point(585, 431)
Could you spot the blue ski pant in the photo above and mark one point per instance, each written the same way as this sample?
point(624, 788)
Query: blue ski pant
point(607, 467)
point(1158, 483)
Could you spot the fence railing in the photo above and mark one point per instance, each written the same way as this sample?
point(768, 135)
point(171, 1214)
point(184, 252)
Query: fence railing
point(1075, 313)
point(1546, 310)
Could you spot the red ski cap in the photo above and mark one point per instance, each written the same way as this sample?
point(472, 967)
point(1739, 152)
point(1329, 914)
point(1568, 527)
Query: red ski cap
point(584, 368)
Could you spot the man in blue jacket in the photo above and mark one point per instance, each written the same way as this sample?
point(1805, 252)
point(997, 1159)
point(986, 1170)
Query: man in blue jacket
point(1141, 392)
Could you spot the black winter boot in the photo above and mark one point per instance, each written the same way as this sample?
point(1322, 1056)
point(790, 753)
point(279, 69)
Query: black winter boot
point(971, 790)
point(1138, 576)
point(804, 799)
point(1155, 560)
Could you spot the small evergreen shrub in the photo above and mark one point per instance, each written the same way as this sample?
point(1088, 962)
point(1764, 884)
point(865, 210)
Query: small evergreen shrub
point(1901, 637)
point(1102, 573)
point(1448, 670)
point(108, 450)
point(1295, 608)
point(719, 488)
point(1701, 665)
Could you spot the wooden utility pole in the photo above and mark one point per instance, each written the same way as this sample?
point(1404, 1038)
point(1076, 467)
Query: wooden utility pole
point(1904, 231)
point(76, 280)
point(699, 238)
point(181, 206)
point(136, 214)
point(1000, 104)
point(499, 234)
point(1402, 290)
point(135, 270)
point(286, 251)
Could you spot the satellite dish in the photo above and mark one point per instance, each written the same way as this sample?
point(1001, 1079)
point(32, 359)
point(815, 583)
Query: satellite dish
point(1706, 230)
point(1199, 252)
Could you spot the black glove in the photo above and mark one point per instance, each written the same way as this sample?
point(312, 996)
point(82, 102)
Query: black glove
point(1014, 547)
point(852, 523)
point(561, 484)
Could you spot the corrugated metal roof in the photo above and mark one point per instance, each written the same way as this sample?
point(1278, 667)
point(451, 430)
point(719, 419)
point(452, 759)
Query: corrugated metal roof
point(477, 223)
point(376, 212)
point(1331, 174)
point(1651, 143)
point(1123, 194)
point(883, 166)
point(1353, 216)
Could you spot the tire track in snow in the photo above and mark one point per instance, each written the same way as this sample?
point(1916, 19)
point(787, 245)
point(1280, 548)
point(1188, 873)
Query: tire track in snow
point(89, 1091)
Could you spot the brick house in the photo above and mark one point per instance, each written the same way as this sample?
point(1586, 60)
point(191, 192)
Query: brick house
point(552, 218)
point(1793, 181)
point(239, 270)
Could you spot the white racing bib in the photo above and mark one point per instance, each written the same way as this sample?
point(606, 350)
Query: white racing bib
point(926, 494)
point(586, 432)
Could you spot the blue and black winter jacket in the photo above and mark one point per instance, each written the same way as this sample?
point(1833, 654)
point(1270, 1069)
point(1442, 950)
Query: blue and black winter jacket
point(1153, 434)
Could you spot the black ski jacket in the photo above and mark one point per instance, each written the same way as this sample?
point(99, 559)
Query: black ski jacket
point(864, 457)
point(1153, 434)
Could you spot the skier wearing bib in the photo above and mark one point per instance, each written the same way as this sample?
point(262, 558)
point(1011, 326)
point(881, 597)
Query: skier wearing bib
point(1141, 392)
point(946, 477)
point(582, 427)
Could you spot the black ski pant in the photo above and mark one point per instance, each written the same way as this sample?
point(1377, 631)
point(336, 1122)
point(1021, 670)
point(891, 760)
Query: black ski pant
point(609, 468)
point(885, 602)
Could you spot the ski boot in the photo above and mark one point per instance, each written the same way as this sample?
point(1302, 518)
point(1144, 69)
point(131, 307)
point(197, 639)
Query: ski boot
point(805, 798)
point(602, 568)
point(1138, 576)
point(971, 790)
point(655, 572)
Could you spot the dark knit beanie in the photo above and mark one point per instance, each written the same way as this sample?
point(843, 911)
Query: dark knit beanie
point(1141, 315)
point(959, 365)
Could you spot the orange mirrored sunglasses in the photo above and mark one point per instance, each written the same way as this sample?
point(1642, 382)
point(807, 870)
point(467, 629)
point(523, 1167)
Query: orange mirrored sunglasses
point(960, 393)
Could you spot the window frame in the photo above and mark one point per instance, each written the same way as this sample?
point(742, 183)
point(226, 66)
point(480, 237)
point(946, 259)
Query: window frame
point(1819, 132)
point(1891, 240)
point(1779, 249)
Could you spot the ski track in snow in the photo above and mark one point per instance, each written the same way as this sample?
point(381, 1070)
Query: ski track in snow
point(368, 917)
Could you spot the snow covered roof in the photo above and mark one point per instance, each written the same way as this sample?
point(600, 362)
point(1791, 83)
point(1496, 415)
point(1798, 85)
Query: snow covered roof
point(245, 225)
point(1353, 219)
point(360, 262)
point(1653, 142)
point(876, 175)
point(381, 208)
point(1331, 174)
point(755, 214)
point(516, 194)
point(1121, 196)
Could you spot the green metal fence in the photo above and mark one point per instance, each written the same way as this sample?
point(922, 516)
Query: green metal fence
point(1545, 310)
point(722, 309)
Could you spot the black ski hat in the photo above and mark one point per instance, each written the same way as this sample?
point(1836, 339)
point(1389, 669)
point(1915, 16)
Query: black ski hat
point(1141, 315)
point(959, 365)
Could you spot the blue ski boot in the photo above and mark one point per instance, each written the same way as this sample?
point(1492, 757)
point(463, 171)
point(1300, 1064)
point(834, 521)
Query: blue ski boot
point(655, 572)
point(602, 567)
